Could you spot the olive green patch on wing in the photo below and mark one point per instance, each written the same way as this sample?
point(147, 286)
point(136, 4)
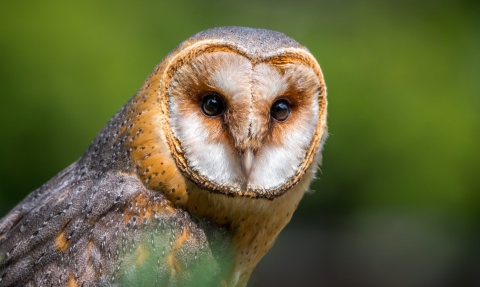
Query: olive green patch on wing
point(176, 251)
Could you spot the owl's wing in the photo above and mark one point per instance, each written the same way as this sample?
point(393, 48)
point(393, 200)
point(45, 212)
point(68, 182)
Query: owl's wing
point(107, 230)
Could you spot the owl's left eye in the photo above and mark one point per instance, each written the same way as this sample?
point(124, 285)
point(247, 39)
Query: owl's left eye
point(212, 105)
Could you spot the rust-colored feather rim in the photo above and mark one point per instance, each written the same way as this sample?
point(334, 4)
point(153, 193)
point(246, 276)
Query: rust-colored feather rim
point(184, 55)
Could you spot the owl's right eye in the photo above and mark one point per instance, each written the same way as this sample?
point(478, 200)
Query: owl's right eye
point(212, 105)
point(280, 110)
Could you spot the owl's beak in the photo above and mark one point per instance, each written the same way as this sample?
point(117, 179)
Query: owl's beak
point(247, 158)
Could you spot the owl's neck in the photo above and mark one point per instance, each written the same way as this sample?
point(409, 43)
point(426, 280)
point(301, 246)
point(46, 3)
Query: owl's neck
point(254, 223)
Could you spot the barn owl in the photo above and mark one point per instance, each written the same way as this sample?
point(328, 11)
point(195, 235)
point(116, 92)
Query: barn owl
point(190, 182)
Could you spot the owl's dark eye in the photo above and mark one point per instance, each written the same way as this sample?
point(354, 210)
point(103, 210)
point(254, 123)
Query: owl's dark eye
point(280, 110)
point(212, 105)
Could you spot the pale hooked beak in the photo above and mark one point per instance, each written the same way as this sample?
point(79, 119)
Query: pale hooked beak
point(247, 162)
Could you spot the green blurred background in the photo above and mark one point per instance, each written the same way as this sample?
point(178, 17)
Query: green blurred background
point(396, 203)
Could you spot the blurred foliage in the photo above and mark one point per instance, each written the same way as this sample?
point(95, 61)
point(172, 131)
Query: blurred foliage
point(401, 165)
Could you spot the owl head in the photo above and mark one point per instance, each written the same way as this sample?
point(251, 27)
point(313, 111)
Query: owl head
point(245, 110)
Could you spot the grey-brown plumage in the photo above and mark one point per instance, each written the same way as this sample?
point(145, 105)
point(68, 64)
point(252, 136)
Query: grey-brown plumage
point(136, 210)
point(96, 225)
